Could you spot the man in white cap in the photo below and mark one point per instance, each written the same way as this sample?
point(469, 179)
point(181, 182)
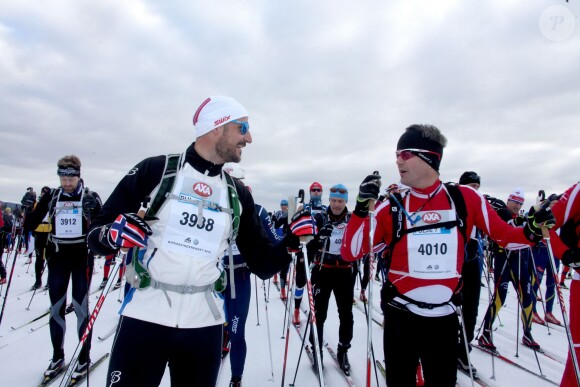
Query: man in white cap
point(172, 315)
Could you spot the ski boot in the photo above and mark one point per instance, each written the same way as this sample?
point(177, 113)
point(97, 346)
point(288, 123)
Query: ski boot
point(36, 286)
point(117, 284)
point(236, 381)
point(283, 295)
point(485, 340)
point(103, 283)
point(552, 319)
point(537, 319)
point(529, 341)
point(296, 317)
point(464, 366)
point(80, 371)
point(363, 296)
point(341, 354)
point(55, 368)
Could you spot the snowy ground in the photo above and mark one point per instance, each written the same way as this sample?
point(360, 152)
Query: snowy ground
point(24, 354)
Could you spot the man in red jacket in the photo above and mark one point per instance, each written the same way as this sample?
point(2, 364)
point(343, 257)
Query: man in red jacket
point(567, 211)
point(426, 229)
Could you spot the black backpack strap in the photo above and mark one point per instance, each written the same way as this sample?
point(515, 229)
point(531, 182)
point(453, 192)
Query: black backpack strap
point(55, 194)
point(166, 184)
point(398, 218)
point(460, 208)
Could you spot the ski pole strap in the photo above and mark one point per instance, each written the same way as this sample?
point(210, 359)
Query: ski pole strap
point(188, 289)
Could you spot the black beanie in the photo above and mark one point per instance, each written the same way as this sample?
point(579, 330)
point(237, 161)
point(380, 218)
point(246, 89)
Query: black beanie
point(413, 139)
point(469, 177)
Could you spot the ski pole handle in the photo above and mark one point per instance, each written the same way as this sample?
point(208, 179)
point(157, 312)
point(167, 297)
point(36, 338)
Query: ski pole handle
point(371, 201)
point(542, 203)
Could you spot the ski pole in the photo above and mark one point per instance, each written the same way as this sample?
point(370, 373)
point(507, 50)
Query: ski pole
point(372, 348)
point(289, 302)
point(538, 280)
point(292, 288)
point(303, 241)
point(72, 365)
point(8, 285)
point(256, 287)
point(121, 256)
point(289, 287)
point(566, 321)
point(308, 325)
point(519, 296)
point(460, 312)
point(268, 329)
point(35, 289)
point(371, 257)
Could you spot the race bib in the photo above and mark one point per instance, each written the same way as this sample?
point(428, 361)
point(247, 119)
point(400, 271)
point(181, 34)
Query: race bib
point(68, 220)
point(192, 230)
point(433, 252)
point(336, 239)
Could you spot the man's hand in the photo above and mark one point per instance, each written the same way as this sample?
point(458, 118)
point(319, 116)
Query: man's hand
point(368, 189)
point(571, 258)
point(129, 230)
point(325, 232)
point(544, 217)
point(303, 224)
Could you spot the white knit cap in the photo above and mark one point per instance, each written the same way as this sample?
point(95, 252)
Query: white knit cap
point(215, 112)
point(517, 196)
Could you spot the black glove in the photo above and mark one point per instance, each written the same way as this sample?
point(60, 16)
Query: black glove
point(292, 243)
point(571, 258)
point(325, 232)
point(495, 203)
point(368, 189)
point(519, 221)
point(544, 217)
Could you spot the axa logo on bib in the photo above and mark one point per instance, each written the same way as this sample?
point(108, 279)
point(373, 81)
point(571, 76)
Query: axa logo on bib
point(431, 217)
point(202, 189)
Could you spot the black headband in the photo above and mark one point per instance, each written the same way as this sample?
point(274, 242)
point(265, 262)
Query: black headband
point(413, 139)
point(69, 171)
point(469, 177)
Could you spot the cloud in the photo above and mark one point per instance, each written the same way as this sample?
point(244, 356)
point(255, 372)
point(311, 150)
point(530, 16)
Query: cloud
point(330, 87)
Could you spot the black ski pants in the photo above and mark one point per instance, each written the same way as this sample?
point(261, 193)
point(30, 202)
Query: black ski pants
point(409, 338)
point(471, 290)
point(40, 239)
point(300, 281)
point(337, 280)
point(142, 350)
point(71, 262)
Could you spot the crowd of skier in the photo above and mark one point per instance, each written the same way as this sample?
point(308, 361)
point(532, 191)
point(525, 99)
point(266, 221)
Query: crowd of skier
point(186, 233)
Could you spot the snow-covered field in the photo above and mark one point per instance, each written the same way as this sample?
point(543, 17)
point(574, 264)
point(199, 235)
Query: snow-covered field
point(24, 354)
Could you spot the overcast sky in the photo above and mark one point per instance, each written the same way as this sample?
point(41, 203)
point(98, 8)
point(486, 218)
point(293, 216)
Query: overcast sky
point(329, 87)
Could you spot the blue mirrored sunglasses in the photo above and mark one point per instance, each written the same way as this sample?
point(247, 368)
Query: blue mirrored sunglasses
point(245, 126)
